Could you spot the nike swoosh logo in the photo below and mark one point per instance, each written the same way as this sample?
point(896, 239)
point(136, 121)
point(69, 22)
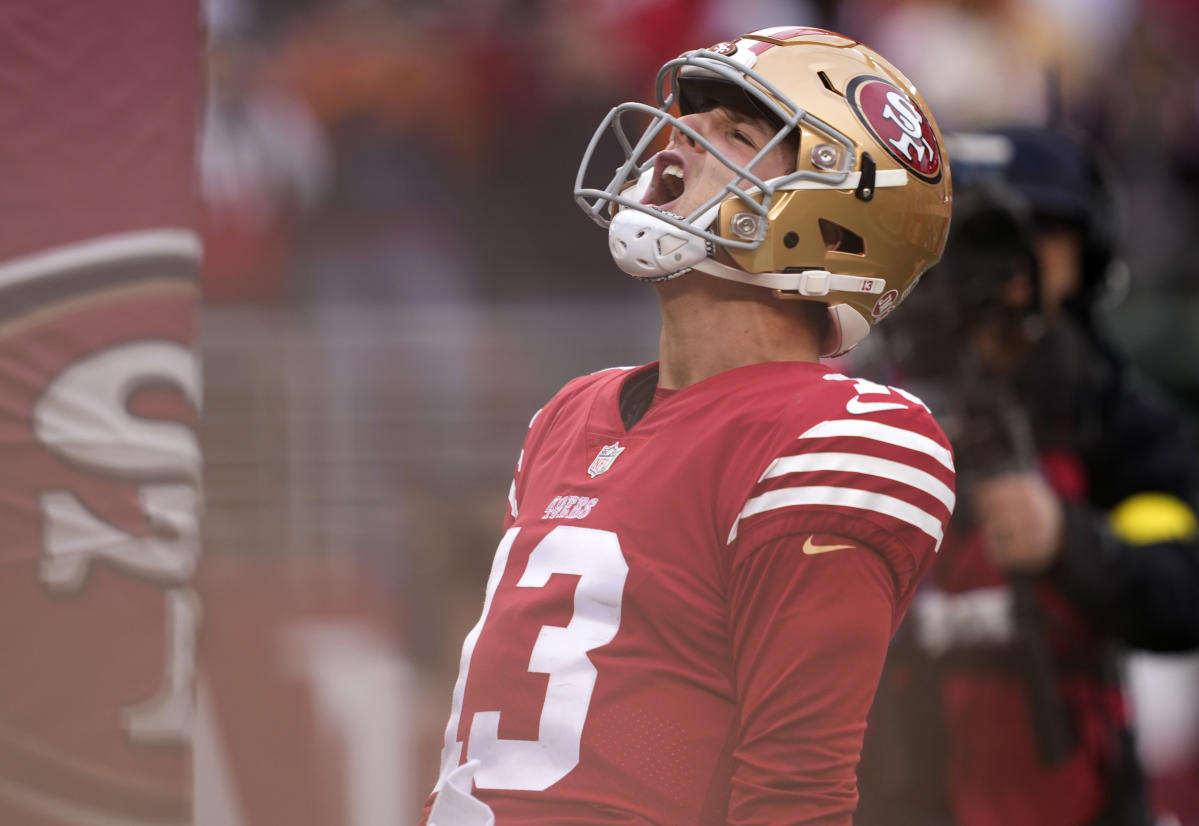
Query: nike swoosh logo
point(859, 407)
point(810, 549)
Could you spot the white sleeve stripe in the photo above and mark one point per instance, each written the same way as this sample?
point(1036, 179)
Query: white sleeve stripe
point(618, 367)
point(861, 463)
point(846, 498)
point(512, 499)
point(867, 429)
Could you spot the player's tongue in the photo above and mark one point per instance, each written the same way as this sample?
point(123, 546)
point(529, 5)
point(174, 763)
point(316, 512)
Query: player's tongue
point(668, 181)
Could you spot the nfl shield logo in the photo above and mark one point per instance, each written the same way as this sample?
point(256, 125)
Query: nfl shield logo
point(604, 459)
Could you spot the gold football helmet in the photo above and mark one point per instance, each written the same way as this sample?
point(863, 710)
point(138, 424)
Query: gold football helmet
point(869, 172)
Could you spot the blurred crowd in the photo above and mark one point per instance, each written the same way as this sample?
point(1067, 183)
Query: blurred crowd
point(381, 150)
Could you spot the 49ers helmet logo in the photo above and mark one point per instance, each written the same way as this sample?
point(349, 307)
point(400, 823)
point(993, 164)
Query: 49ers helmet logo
point(898, 124)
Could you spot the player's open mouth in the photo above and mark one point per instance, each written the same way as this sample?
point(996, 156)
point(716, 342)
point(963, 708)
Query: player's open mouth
point(668, 182)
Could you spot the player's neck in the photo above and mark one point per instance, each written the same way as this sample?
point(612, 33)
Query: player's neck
point(710, 325)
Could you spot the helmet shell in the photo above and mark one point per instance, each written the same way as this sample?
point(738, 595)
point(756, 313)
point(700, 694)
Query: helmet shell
point(895, 232)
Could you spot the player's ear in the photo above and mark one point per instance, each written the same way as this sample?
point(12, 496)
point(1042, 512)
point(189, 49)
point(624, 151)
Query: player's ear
point(832, 235)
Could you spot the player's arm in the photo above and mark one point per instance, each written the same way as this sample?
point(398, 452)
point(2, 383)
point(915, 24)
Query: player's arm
point(809, 634)
point(809, 625)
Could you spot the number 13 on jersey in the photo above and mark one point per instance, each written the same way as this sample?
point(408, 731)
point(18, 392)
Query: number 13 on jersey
point(595, 557)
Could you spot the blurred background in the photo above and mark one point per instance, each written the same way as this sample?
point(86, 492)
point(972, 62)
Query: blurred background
point(396, 278)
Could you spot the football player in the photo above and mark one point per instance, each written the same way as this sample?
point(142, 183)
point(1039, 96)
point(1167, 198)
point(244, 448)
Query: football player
point(705, 557)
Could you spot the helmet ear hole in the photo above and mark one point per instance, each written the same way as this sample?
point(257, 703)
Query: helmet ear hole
point(841, 239)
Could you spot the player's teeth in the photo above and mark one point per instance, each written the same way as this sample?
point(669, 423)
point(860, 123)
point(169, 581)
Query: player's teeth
point(674, 169)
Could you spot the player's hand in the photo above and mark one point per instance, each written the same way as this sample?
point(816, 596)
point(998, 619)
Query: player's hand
point(1020, 521)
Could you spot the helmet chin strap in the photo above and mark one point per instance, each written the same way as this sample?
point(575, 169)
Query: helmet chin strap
point(652, 249)
point(804, 283)
point(847, 328)
point(649, 247)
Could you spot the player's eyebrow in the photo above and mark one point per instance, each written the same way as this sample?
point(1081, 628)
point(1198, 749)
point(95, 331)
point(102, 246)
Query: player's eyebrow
point(741, 118)
point(760, 125)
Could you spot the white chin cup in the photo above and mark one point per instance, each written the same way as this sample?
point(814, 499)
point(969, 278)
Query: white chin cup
point(646, 246)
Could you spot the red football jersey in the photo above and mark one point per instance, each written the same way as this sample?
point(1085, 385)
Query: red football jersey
point(685, 620)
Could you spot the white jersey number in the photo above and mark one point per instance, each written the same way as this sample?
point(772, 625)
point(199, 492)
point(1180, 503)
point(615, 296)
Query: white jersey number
point(561, 652)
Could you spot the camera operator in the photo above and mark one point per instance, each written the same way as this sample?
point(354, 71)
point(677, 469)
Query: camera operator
point(1078, 533)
